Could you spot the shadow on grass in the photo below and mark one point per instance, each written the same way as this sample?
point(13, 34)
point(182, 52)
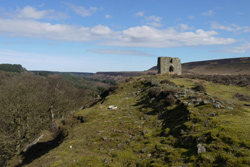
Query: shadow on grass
point(173, 119)
point(40, 149)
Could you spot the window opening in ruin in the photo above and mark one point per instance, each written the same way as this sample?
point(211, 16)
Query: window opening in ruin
point(171, 60)
point(171, 69)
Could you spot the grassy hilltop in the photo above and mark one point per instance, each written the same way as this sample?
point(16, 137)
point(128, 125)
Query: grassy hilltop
point(159, 121)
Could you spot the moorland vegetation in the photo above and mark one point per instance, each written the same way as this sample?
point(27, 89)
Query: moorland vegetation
point(159, 121)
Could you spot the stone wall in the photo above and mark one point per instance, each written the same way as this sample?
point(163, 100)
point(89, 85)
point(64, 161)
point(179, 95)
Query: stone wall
point(169, 65)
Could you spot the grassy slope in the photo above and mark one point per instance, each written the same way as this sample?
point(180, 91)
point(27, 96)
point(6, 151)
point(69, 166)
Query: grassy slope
point(146, 132)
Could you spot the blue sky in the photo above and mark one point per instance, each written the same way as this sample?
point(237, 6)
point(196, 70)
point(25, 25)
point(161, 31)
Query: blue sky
point(115, 35)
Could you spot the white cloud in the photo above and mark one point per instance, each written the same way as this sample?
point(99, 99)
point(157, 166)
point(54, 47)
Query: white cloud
point(121, 52)
point(239, 49)
point(140, 14)
point(230, 27)
point(146, 36)
point(140, 36)
point(29, 12)
point(184, 27)
point(154, 24)
point(101, 30)
point(153, 21)
point(153, 18)
point(209, 13)
point(82, 11)
point(41, 5)
point(35, 29)
point(191, 17)
point(108, 16)
point(218, 26)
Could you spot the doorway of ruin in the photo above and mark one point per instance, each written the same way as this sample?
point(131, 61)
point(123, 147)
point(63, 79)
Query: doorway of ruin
point(171, 69)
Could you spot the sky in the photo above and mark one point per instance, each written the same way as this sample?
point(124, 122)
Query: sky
point(120, 35)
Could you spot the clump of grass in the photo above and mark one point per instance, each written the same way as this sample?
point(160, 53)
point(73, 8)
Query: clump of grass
point(242, 97)
point(167, 92)
point(199, 87)
point(170, 100)
point(154, 91)
point(166, 81)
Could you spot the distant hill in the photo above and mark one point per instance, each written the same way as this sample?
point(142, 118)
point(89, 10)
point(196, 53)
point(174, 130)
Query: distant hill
point(76, 74)
point(232, 66)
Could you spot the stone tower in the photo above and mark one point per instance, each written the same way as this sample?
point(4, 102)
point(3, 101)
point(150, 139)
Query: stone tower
point(169, 65)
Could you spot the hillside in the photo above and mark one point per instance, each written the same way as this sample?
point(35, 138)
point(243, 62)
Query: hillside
point(76, 74)
point(232, 66)
point(159, 121)
point(31, 103)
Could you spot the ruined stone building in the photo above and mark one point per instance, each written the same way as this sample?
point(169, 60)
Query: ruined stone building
point(169, 65)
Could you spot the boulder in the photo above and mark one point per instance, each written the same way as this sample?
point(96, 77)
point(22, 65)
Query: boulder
point(200, 149)
point(204, 102)
point(198, 100)
point(112, 107)
point(182, 94)
point(217, 105)
point(106, 161)
point(104, 138)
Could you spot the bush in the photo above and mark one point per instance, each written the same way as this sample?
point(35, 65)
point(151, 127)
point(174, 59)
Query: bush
point(166, 81)
point(170, 100)
point(154, 91)
point(242, 97)
point(199, 87)
point(168, 92)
